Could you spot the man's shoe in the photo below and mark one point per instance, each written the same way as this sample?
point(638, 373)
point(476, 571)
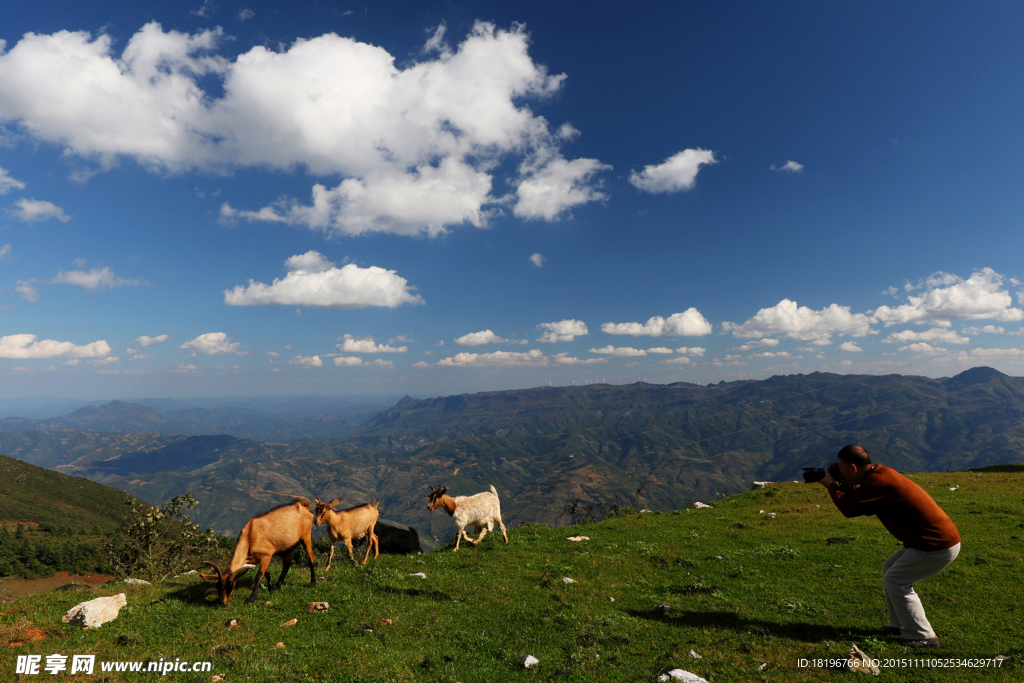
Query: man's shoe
point(891, 630)
point(927, 642)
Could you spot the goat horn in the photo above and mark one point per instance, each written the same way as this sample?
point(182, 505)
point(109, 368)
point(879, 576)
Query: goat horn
point(219, 572)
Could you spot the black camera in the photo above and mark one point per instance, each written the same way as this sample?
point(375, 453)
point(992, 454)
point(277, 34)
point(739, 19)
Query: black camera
point(815, 474)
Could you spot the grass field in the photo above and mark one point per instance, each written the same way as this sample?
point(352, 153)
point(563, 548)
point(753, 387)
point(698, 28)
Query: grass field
point(745, 590)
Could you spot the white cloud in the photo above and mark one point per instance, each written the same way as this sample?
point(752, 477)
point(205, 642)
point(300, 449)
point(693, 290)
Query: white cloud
point(948, 298)
point(151, 341)
point(93, 280)
point(33, 210)
point(7, 183)
point(566, 359)
point(185, 369)
point(212, 343)
point(5, 253)
point(692, 350)
point(312, 280)
point(935, 334)
point(27, 290)
point(537, 260)
point(989, 354)
point(619, 351)
point(367, 345)
point(245, 14)
point(850, 346)
point(659, 349)
point(562, 331)
point(478, 338)
point(421, 364)
point(788, 167)
point(986, 329)
point(141, 357)
point(678, 172)
point(354, 361)
point(496, 359)
point(550, 188)
point(105, 361)
point(801, 322)
point(920, 347)
point(689, 323)
point(758, 344)
point(682, 360)
point(416, 146)
point(26, 347)
point(306, 361)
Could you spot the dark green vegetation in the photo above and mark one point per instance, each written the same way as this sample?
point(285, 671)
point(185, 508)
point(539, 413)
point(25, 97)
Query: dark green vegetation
point(33, 553)
point(744, 590)
point(545, 447)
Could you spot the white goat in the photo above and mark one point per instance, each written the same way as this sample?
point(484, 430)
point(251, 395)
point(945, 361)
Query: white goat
point(481, 511)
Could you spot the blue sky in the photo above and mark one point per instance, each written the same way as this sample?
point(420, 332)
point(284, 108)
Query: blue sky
point(230, 198)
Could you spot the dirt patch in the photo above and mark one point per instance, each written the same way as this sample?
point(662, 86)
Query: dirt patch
point(21, 587)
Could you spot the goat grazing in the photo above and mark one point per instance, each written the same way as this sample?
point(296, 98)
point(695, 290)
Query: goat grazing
point(278, 531)
point(481, 511)
point(346, 525)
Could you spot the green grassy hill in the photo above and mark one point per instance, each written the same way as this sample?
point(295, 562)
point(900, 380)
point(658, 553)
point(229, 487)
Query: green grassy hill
point(751, 594)
point(33, 494)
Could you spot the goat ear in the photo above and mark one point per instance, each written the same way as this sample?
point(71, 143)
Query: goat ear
point(316, 501)
point(334, 502)
point(443, 491)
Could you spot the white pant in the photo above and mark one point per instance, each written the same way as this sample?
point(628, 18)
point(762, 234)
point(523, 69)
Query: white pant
point(901, 571)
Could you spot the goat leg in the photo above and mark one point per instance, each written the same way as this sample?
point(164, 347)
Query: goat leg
point(503, 533)
point(256, 586)
point(330, 558)
point(287, 559)
point(308, 542)
point(483, 532)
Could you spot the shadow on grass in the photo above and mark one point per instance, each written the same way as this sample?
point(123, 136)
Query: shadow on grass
point(437, 596)
point(195, 594)
point(803, 631)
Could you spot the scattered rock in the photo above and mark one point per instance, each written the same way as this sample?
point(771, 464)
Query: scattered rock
point(280, 646)
point(269, 603)
point(579, 538)
point(611, 599)
point(386, 621)
point(290, 622)
point(137, 582)
point(665, 609)
point(680, 675)
point(94, 613)
point(764, 665)
point(700, 505)
point(760, 512)
point(758, 485)
point(526, 661)
point(188, 573)
point(858, 661)
point(771, 515)
point(954, 488)
point(694, 655)
point(419, 574)
point(317, 607)
point(566, 579)
point(719, 557)
point(1000, 658)
point(219, 678)
point(231, 624)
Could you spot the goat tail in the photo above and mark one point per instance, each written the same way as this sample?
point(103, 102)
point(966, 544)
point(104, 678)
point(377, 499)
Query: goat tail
point(376, 502)
point(494, 491)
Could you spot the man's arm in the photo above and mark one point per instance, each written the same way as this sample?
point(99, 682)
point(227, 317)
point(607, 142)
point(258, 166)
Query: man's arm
point(865, 501)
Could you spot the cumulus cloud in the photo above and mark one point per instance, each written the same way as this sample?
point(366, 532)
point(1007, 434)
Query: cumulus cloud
point(496, 359)
point(95, 280)
point(212, 343)
point(935, 334)
point(306, 361)
point(659, 349)
point(682, 360)
point(537, 260)
point(34, 210)
point(416, 146)
point(479, 338)
point(947, 298)
point(678, 172)
point(312, 280)
point(366, 344)
point(850, 346)
point(145, 340)
point(619, 351)
point(692, 350)
point(802, 322)
point(245, 14)
point(26, 347)
point(689, 323)
point(788, 167)
point(566, 359)
point(354, 361)
point(985, 329)
point(920, 347)
point(7, 183)
point(5, 253)
point(989, 354)
point(562, 331)
point(757, 344)
point(27, 290)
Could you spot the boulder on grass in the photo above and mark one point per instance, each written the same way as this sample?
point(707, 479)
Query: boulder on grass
point(94, 613)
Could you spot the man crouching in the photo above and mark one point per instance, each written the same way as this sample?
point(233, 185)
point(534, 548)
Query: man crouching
point(930, 539)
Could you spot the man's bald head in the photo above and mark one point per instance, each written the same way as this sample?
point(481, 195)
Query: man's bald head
point(855, 455)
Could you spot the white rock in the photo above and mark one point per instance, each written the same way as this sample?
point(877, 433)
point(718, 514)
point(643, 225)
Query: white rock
point(680, 675)
point(566, 579)
point(758, 485)
point(137, 582)
point(760, 512)
point(528, 660)
point(611, 599)
point(188, 573)
point(579, 538)
point(772, 515)
point(419, 574)
point(858, 661)
point(694, 655)
point(94, 613)
point(764, 665)
point(699, 505)
point(664, 608)
point(954, 488)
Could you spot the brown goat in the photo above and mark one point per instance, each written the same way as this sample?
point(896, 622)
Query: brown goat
point(348, 525)
point(278, 531)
